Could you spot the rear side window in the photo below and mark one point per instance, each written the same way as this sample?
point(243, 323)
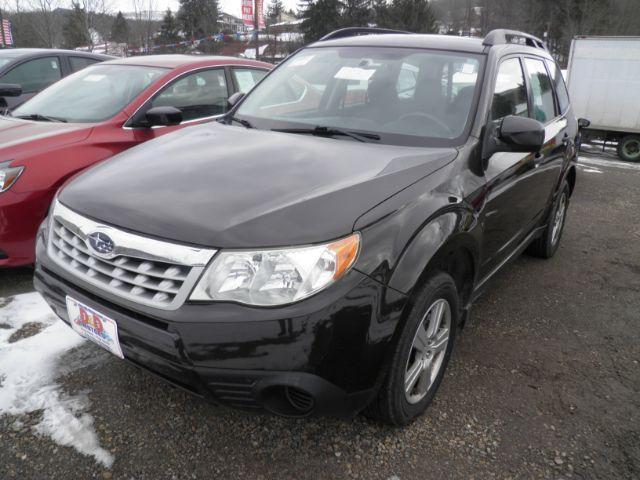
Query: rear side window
point(561, 87)
point(78, 63)
point(246, 78)
point(510, 95)
point(34, 75)
point(541, 90)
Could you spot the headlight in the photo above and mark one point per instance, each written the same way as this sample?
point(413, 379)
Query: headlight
point(8, 176)
point(276, 276)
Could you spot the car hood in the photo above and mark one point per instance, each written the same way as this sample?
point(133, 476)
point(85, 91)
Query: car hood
point(227, 186)
point(15, 132)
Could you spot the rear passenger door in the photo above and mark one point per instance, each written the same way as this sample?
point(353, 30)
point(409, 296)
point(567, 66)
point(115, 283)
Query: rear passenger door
point(545, 109)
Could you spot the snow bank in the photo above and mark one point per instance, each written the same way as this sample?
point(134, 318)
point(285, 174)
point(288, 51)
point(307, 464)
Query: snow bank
point(28, 370)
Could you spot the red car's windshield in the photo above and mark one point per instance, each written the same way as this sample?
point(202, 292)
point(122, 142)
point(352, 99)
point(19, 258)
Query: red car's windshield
point(92, 95)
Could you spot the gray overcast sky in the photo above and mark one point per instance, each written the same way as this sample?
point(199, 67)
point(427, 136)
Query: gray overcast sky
point(229, 6)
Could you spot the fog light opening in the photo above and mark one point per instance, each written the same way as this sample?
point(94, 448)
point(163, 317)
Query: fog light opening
point(288, 401)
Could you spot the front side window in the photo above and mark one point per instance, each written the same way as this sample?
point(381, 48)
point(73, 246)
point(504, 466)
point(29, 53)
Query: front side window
point(246, 78)
point(197, 95)
point(404, 96)
point(510, 94)
point(561, 87)
point(34, 75)
point(93, 94)
point(541, 90)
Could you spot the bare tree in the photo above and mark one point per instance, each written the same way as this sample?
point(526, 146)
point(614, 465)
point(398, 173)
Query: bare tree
point(144, 25)
point(46, 22)
point(94, 9)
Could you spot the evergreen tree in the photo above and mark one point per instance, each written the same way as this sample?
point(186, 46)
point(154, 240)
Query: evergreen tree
point(198, 17)
point(320, 17)
point(356, 13)
point(412, 15)
point(169, 29)
point(119, 29)
point(381, 13)
point(275, 11)
point(74, 30)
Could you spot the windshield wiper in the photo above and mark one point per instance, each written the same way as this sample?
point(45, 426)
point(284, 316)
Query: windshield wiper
point(241, 121)
point(40, 118)
point(330, 132)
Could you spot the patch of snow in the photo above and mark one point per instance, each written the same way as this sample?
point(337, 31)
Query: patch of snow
point(589, 169)
point(602, 162)
point(29, 368)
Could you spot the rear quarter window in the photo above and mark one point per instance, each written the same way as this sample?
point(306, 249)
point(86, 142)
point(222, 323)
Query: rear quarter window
point(561, 87)
point(78, 63)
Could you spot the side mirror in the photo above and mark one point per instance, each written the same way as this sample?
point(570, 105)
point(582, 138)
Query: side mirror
point(234, 99)
point(163, 116)
point(10, 90)
point(583, 123)
point(521, 134)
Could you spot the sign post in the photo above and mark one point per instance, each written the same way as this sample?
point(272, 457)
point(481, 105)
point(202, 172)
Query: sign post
point(255, 26)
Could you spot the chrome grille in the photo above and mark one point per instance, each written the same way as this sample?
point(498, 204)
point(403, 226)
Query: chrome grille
point(141, 269)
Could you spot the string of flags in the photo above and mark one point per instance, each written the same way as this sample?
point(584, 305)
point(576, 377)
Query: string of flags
point(6, 37)
point(219, 37)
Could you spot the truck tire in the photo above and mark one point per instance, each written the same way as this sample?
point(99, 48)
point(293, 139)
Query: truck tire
point(629, 148)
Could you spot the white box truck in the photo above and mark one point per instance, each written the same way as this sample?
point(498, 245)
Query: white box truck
point(604, 85)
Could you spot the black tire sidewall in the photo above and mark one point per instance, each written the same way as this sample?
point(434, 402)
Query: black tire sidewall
point(440, 285)
point(621, 145)
point(550, 246)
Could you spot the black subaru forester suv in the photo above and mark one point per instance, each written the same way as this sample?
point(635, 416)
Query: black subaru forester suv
point(317, 250)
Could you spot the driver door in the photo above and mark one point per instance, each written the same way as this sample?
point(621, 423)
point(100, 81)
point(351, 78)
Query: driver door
point(201, 96)
point(512, 197)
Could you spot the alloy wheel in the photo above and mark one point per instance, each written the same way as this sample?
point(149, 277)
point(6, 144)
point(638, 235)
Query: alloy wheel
point(427, 351)
point(558, 220)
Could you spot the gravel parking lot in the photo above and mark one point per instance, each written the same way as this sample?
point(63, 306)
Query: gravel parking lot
point(544, 383)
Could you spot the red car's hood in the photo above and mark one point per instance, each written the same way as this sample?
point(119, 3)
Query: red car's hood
point(16, 134)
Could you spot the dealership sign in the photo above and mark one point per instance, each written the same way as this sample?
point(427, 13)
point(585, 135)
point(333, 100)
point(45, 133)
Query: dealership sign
point(247, 12)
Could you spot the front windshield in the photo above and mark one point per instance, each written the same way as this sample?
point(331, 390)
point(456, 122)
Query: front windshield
point(405, 96)
point(91, 95)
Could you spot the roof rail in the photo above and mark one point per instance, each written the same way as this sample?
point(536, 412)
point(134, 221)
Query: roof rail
point(502, 36)
point(357, 31)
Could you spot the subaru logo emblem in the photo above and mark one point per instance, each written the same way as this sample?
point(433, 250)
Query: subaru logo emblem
point(101, 244)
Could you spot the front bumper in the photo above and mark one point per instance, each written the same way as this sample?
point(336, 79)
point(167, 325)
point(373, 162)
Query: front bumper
point(323, 355)
point(20, 216)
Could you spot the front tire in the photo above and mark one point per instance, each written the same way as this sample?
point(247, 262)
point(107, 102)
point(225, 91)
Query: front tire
point(546, 245)
point(629, 148)
point(421, 354)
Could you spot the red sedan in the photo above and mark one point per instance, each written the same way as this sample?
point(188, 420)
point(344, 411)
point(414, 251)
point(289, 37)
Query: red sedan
point(95, 114)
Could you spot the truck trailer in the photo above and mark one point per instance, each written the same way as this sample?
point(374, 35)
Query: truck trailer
point(604, 84)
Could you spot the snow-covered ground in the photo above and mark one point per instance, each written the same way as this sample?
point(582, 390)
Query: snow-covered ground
point(595, 162)
point(28, 371)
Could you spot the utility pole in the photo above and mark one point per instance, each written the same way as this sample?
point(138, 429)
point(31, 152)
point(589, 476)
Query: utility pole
point(255, 26)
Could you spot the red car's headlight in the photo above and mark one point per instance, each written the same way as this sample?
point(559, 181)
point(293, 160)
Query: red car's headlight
point(8, 176)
